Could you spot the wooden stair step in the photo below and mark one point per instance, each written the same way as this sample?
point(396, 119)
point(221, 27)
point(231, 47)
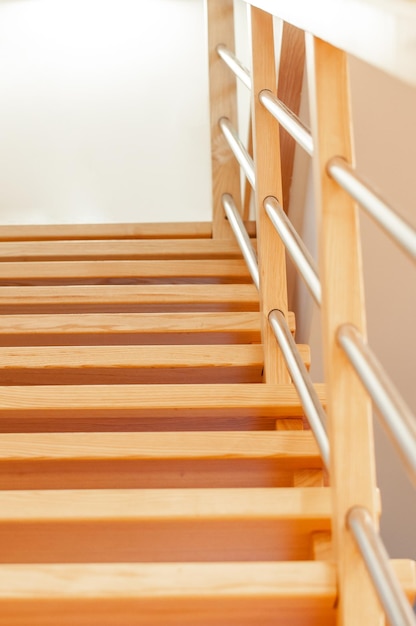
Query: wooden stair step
point(148, 407)
point(126, 364)
point(77, 365)
point(170, 594)
point(233, 327)
point(153, 525)
point(162, 594)
point(150, 230)
point(154, 460)
point(116, 249)
point(113, 298)
point(223, 271)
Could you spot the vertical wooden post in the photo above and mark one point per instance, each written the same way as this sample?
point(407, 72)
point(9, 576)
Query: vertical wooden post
point(266, 150)
point(289, 90)
point(223, 103)
point(350, 424)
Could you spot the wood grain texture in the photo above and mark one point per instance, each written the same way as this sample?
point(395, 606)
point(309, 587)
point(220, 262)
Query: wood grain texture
point(271, 251)
point(238, 594)
point(289, 90)
point(116, 249)
point(224, 271)
point(192, 594)
point(113, 298)
point(349, 410)
point(150, 230)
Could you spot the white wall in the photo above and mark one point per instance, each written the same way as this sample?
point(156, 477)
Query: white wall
point(103, 111)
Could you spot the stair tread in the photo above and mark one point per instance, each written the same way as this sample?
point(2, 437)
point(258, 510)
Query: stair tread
point(224, 269)
point(112, 298)
point(112, 249)
point(264, 399)
point(133, 230)
point(285, 445)
point(292, 506)
point(188, 356)
point(133, 322)
point(191, 594)
point(172, 594)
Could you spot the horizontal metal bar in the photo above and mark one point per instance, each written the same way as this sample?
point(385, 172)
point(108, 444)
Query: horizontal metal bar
point(288, 120)
point(235, 65)
point(302, 381)
point(243, 240)
point(391, 595)
point(238, 149)
point(295, 247)
point(395, 226)
point(396, 416)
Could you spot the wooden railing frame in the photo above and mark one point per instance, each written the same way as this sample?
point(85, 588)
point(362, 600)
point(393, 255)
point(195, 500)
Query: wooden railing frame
point(352, 462)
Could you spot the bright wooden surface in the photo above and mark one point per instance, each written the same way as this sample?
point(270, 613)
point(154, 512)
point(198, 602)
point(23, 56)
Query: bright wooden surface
point(380, 32)
point(191, 594)
point(116, 249)
point(194, 594)
point(240, 297)
point(141, 271)
point(271, 256)
point(159, 525)
point(266, 399)
point(289, 91)
point(284, 447)
point(154, 460)
point(349, 408)
point(50, 232)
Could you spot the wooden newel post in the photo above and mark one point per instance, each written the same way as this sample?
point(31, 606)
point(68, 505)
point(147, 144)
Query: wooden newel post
point(266, 150)
point(223, 103)
point(352, 465)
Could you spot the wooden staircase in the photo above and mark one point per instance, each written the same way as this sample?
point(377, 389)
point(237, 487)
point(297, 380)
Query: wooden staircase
point(143, 478)
point(157, 467)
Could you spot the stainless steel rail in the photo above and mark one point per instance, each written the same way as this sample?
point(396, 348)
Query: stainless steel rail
point(235, 65)
point(392, 598)
point(394, 225)
point(302, 381)
point(396, 416)
point(295, 247)
point(242, 237)
point(288, 120)
point(238, 149)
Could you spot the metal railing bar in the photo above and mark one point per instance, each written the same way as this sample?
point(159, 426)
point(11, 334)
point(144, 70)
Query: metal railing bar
point(396, 416)
point(395, 226)
point(295, 247)
point(241, 235)
point(288, 120)
point(235, 65)
point(392, 597)
point(302, 381)
point(238, 149)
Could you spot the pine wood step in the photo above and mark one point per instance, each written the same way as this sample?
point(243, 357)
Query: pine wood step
point(51, 232)
point(150, 230)
point(169, 594)
point(141, 272)
point(139, 298)
point(133, 328)
point(152, 525)
point(116, 249)
point(148, 407)
point(78, 365)
point(154, 460)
